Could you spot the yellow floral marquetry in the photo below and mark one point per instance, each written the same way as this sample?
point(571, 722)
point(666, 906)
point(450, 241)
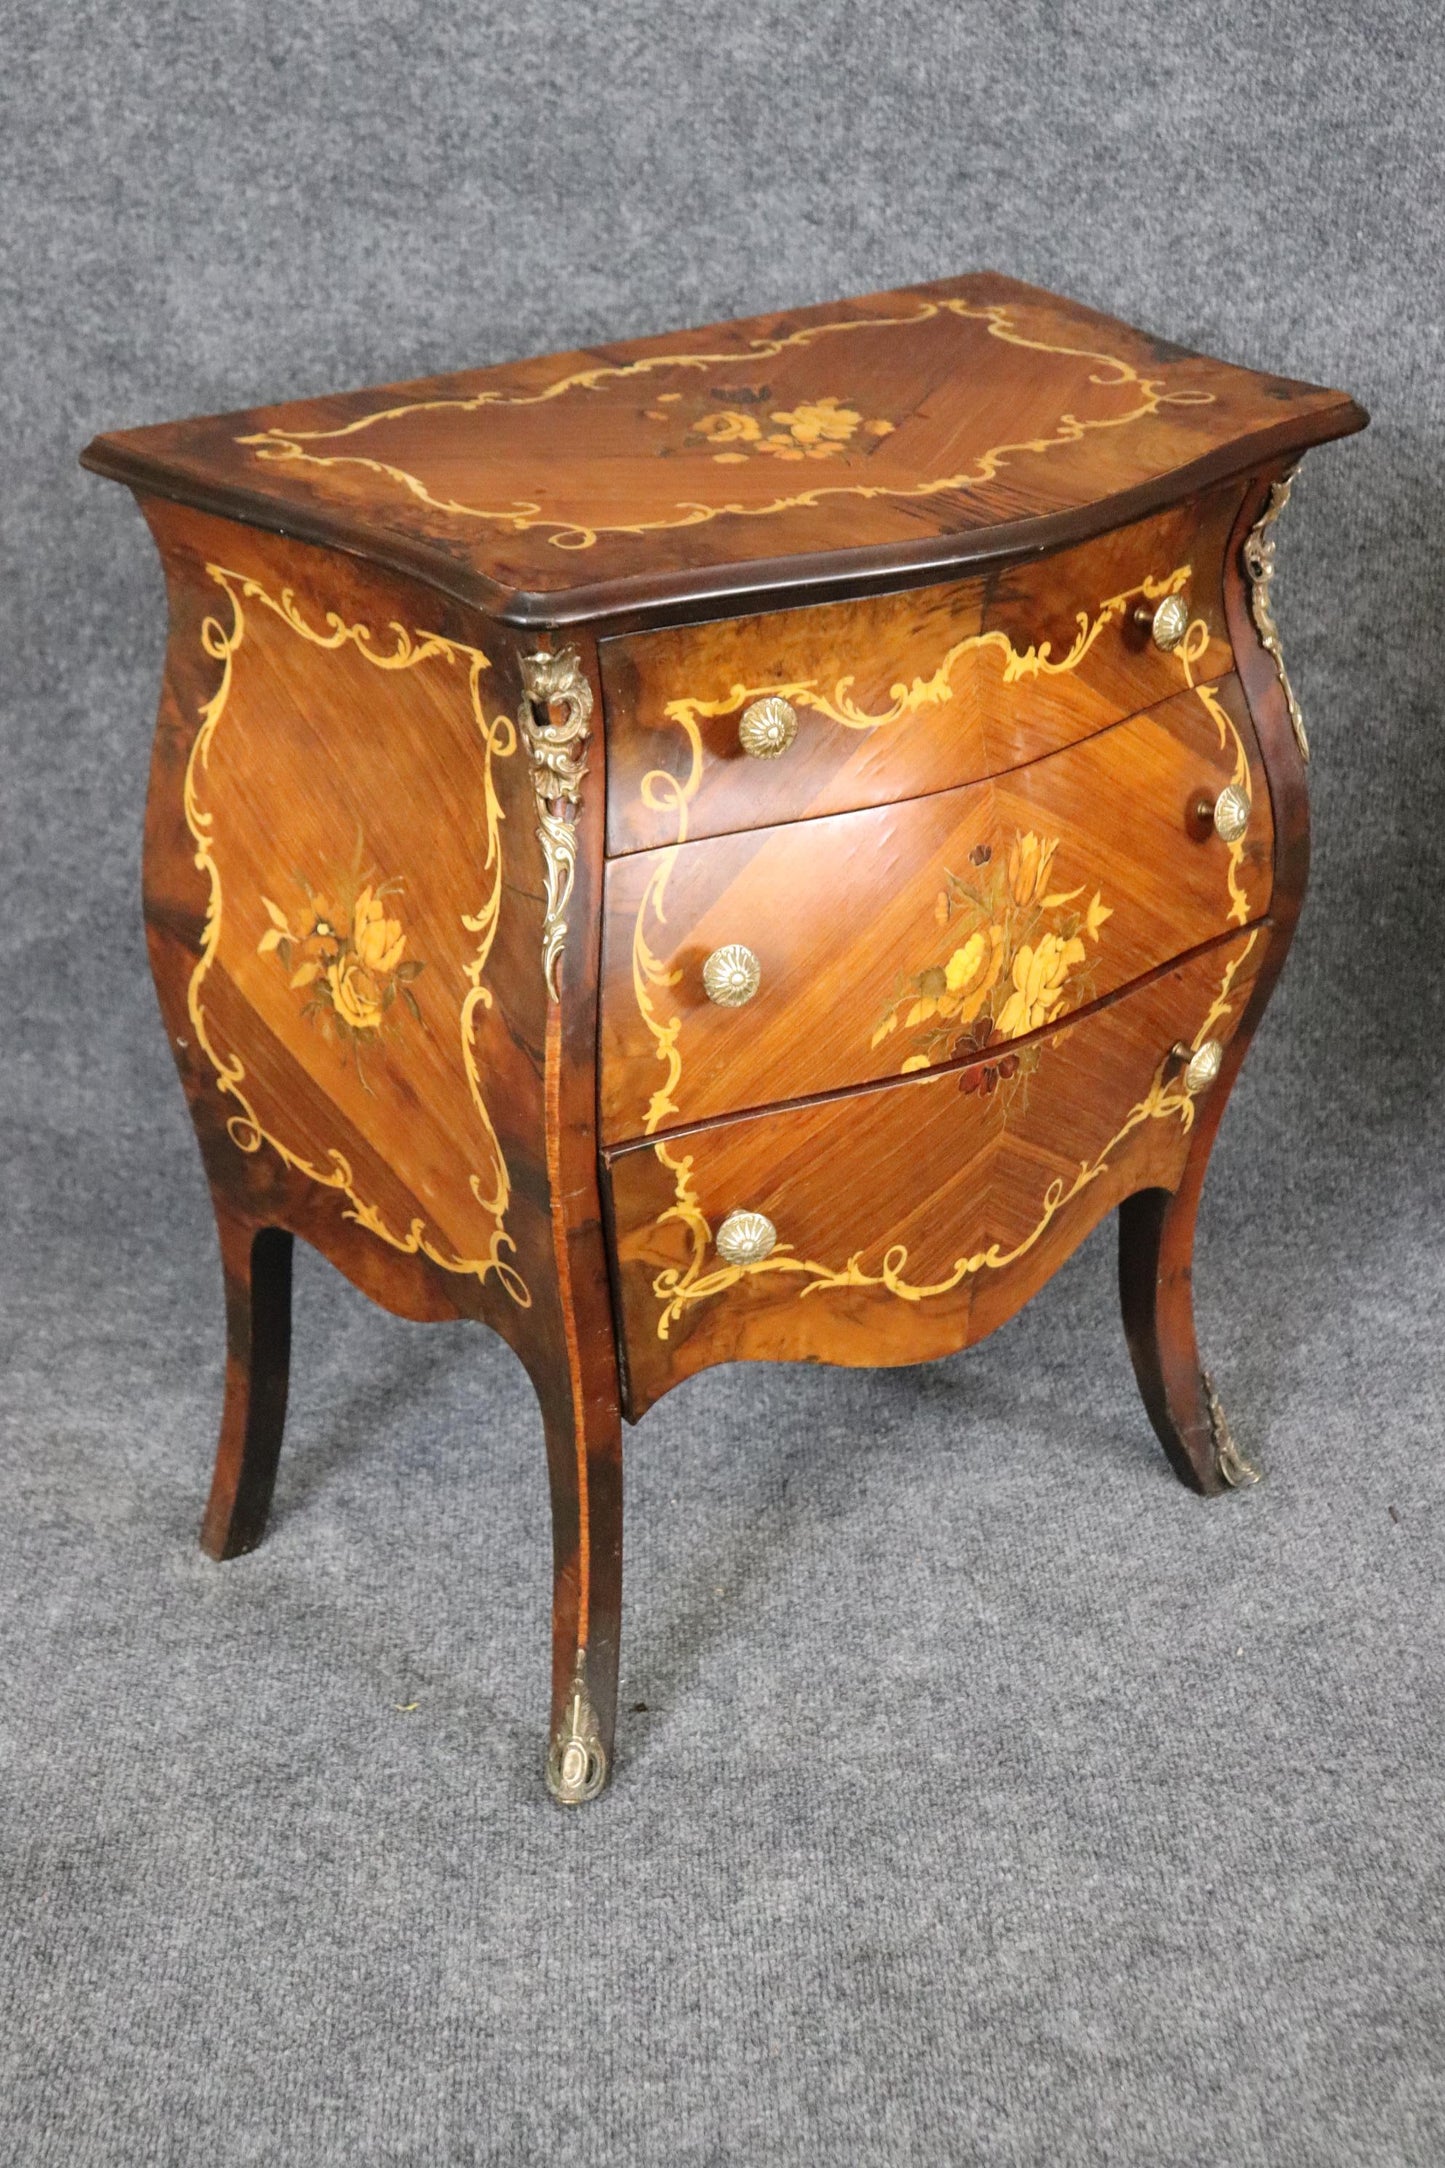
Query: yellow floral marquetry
point(1040, 973)
point(349, 960)
point(1166, 1100)
point(1024, 951)
point(664, 792)
point(350, 956)
point(802, 429)
point(816, 429)
point(951, 999)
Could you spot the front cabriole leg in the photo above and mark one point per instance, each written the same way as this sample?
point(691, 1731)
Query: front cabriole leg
point(579, 1391)
point(1156, 1249)
point(584, 1459)
point(1156, 1227)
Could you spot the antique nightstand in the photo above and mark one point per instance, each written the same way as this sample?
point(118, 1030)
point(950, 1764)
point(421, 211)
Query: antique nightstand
point(733, 846)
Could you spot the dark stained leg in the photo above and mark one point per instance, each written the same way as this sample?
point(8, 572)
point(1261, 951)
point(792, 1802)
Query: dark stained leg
point(1156, 1258)
point(257, 1265)
point(586, 1482)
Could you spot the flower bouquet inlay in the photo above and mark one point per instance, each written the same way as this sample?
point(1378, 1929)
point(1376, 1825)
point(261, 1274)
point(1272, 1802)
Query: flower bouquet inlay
point(346, 954)
point(1021, 955)
point(737, 422)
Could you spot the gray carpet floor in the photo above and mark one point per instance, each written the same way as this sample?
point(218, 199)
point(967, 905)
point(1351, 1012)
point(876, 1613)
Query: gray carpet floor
point(983, 1796)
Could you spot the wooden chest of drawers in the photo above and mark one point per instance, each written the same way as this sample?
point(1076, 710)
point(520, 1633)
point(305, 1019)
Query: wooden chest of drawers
point(741, 845)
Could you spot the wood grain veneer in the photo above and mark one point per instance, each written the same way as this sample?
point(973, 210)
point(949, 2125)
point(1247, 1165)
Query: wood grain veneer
point(447, 808)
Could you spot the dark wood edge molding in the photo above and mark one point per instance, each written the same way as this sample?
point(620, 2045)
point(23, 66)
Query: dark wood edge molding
point(651, 599)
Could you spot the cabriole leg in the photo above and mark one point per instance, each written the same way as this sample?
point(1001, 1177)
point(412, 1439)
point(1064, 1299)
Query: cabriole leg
point(585, 1467)
point(257, 1266)
point(1156, 1258)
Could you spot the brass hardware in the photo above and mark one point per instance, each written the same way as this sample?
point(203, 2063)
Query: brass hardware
point(1201, 1064)
point(745, 1238)
point(1259, 564)
point(768, 727)
point(1167, 622)
point(577, 1763)
point(1232, 809)
point(731, 976)
point(559, 762)
point(679, 1286)
point(1234, 1469)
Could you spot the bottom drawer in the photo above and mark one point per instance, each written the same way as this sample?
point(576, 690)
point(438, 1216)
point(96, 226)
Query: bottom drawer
point(911, 1217)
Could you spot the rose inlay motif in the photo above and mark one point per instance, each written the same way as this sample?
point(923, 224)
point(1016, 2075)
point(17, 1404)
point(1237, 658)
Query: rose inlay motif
point(348, 957)
point(747, 425)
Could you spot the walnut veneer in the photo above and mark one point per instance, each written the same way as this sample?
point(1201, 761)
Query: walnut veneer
point(736, 846)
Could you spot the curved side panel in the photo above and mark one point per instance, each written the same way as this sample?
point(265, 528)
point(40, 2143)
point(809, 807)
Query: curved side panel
point(332, 919)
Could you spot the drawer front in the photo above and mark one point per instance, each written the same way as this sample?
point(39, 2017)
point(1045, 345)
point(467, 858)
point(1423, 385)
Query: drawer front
point(902, 937)
point(911, 1217)
point(899, 694)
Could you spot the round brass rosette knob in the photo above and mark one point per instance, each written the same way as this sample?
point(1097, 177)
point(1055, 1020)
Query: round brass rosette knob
point(731, 975)
point(1201, 1065)
point(1232, 809)
point(746, 1238)
point(1169, 622)
point(768, 727)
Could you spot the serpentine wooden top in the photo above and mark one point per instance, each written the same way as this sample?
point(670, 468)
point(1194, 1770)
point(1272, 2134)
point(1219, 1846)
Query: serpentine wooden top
point(826, 449)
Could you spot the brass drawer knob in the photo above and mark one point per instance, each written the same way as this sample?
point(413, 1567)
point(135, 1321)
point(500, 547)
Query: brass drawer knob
point(731, 975)
point(745, 1238)
point(1168, 621)
point(1201, 1064)
point(768, 727)
point(1232, 809)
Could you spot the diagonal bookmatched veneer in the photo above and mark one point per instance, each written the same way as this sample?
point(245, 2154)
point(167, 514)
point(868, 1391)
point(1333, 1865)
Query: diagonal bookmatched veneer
point(734, 846)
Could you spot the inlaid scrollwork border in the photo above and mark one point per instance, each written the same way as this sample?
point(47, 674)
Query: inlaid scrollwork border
point(280, 445)
point(499, 738)
point(664, 792)
point(1167, 1099)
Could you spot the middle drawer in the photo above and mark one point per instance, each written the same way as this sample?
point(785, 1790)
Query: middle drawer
point(901, 937)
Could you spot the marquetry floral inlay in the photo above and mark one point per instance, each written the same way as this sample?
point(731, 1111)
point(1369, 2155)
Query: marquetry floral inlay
point(741, 422)
point(706, 1275)
point(1022, 952)
point(794, 433)
point(354, 936)
point(346, 955)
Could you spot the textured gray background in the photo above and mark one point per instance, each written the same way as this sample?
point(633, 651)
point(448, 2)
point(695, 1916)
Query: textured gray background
point(996, 1801)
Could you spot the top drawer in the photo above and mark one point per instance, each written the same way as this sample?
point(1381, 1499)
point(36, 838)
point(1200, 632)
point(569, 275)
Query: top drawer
point(897, 695)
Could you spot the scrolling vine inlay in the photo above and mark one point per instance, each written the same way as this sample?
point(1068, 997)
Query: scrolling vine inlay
point(800, 431)
point(373, 945)
point(1167, 1099)
point(662, 791)
point(665, 792)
